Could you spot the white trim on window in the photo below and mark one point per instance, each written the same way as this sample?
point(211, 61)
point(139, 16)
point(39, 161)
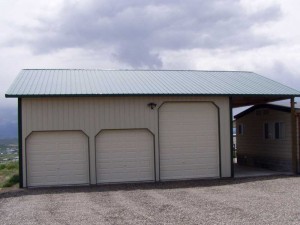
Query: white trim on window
point(268, 131)
point(279, 130)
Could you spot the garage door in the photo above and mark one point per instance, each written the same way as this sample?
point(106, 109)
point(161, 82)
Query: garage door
point(57, 158)
point(124, 156)
point(188, 139)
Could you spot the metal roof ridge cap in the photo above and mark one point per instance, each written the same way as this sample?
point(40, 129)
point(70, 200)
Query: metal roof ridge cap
point(179, 70)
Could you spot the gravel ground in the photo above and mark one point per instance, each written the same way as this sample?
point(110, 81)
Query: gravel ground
point(272, 200)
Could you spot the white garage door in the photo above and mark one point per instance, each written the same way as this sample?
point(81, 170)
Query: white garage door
point(124, 156)
point(57, 158)
point(188, 140)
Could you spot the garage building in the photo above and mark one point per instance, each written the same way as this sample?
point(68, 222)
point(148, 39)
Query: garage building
point(82, 127)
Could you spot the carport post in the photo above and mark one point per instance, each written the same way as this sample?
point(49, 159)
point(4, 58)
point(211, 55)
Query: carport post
point(231, 137)
point(294, 136)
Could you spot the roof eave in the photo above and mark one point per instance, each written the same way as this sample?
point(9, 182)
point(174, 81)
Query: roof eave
point(263, 106)
point(147, 94)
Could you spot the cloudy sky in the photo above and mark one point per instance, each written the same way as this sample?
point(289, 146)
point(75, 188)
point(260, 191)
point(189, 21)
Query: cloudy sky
point(251, 35)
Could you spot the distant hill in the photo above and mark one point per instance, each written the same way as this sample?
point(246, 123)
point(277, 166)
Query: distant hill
point(8, 122)
point(8, 141)
point(8, 130)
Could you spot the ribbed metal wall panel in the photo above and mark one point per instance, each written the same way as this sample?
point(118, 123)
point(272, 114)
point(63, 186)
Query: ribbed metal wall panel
point(92, 114)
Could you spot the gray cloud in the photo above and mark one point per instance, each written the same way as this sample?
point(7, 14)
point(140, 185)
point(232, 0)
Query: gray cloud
point(280, 72)
point(8, 122)
point(139, 30)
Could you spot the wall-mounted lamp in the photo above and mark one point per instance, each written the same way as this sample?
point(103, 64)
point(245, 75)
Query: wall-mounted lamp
point(152, 105)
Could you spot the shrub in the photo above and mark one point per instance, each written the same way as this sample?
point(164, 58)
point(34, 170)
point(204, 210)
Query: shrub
point(12, 181)
point(2, 166)
point(9, 166)
point(12, 165)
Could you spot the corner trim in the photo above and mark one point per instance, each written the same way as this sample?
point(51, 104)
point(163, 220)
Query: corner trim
point(20, 142)
point(231, 137)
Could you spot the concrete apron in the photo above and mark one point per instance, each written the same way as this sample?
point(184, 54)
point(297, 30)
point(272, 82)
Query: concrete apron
point(247, 171)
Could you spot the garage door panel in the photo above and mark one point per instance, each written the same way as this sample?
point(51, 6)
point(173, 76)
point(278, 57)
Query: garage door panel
point(124, 156)
point(188, 138)
point(187, 127)
point(47, 167)
point(108, 167)
point(190, 161)
point(189, 156)
point(190, 166)
point(186, 150)
point(57, 158)
point(126, 163)
point(194, 170)
point(193, 174)
point(122, 147)
point(123, 177)
point(126, 170)
point(120, 157)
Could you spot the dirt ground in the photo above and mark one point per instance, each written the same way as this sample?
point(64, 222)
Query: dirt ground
point(269, 200)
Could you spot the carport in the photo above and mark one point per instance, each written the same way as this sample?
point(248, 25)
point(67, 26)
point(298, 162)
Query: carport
point(249, 100)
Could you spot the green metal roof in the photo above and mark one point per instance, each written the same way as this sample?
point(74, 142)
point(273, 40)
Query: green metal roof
point(89, 82)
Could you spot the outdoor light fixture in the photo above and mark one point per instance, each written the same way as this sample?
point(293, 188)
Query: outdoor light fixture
point(152, 105)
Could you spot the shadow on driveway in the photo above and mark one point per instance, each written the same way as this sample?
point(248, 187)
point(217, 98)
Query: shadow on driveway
point(137, 186)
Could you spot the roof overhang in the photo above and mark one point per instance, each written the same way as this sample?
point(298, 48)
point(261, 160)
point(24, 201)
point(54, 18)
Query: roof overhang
point(263, 106)
point(247, 100)
point(237, 100)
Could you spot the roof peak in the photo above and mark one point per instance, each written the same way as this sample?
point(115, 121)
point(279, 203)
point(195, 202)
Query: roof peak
point(172, 70)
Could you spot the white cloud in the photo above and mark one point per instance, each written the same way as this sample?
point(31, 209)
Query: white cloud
point(255, 35)
point(138, 31)
point(276, 62)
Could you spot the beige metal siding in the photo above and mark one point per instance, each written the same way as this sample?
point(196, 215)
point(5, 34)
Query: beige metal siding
point(92, 114)
point(188, 140)
point(124, 156)
point(57, 158)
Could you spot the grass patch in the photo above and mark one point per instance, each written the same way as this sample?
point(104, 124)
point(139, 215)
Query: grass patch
point(12, 166)
point(11, 181)
point(9, 174)
point(2, 166)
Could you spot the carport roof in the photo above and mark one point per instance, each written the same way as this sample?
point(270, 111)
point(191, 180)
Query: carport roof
point(263, 106)
point(93, 82)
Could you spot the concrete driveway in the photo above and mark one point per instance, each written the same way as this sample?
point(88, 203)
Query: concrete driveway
point(272, 200)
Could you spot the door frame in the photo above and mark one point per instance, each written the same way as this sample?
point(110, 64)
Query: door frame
point(149, 131)
point(219, 132)
point(26, 158)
